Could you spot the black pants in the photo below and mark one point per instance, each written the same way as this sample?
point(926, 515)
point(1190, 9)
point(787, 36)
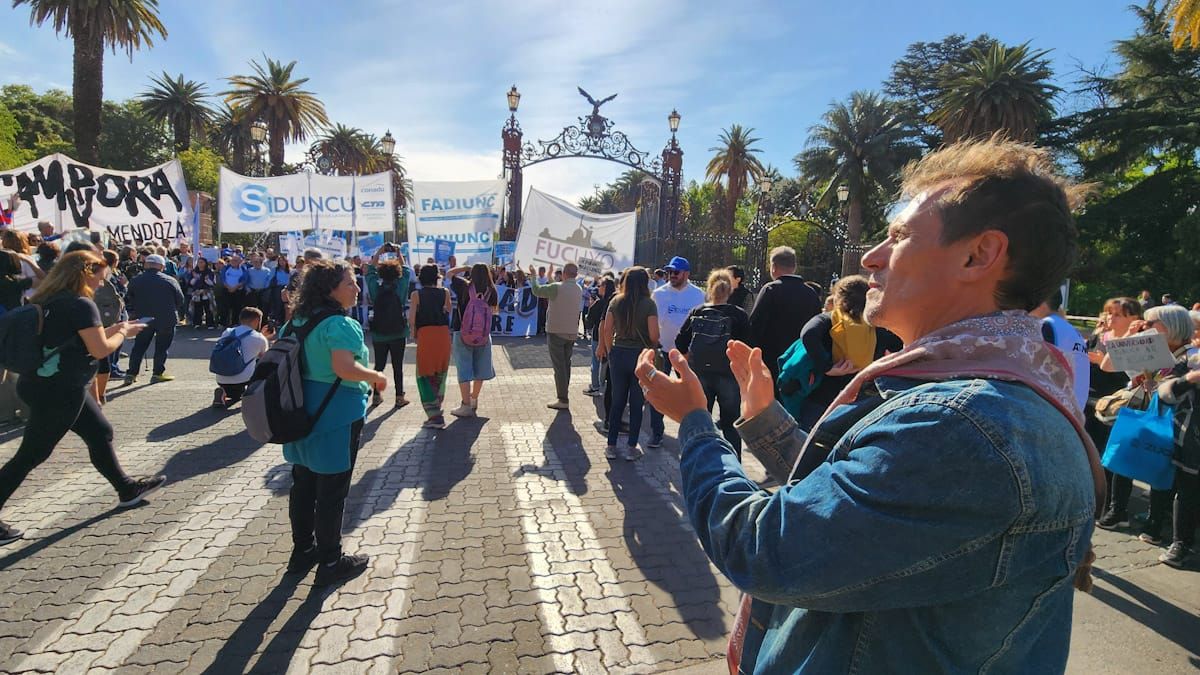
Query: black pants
point(53, 410)
point(233, 393)
point(395, 349)
point(162, 336)
point(229, 306)
point(316, 503)
point(1120, 489)
point(722, 388)
point(1187, 507)
point(202, 314)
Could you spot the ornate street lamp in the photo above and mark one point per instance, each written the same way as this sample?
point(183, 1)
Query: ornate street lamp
point(258, 131)
point(843, 193)
point(511, 136)
point(673, 120)
point(765, 184)
point(514, 99)
point(387, 143)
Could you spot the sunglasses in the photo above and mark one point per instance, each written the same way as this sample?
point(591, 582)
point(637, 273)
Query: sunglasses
point(674, 273)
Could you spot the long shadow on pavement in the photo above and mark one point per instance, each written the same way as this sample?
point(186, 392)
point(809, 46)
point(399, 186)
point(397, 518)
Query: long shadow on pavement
point(200, 419)
point(665, 549)
point(214, 456)
point(563, 446)
point(1162, 617)
point(43, 543)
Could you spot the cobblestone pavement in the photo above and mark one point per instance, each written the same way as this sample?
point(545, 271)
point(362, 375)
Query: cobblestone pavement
point(505, 543)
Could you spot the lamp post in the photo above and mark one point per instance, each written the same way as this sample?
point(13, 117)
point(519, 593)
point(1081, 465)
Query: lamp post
point(388, 143)
point(258, 134)
point(759, 230)
point(511, 136)
point(672, 176)
point(850, 255)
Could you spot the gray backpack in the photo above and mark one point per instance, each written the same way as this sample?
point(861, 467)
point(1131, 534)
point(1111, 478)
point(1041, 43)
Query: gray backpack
point(273, 406)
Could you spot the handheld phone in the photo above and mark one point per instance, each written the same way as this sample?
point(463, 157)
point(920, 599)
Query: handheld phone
point(146, 319)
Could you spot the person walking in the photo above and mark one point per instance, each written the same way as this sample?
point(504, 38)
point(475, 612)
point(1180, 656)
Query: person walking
point(703, 339)
point(335, 355)
point(477, 302)
point(428, 312)
point(781, 309)
point(630, 327)
point(153, 295)
point(112, 311)
point(562, 326)
point(387, 285)
point(56, 397)
point(675, 300)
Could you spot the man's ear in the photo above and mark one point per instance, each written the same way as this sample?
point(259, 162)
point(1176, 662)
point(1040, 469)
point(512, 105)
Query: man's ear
point(986, 254)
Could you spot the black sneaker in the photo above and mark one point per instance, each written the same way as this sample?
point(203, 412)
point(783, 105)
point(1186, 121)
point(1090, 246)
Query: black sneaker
point(346, 568)
point(1112, 519)
point(376, 399)
point(136, 491)
point(9, 534)
point(302, 561)
point(219, 398)
point(1176, 556)
point(655, 441)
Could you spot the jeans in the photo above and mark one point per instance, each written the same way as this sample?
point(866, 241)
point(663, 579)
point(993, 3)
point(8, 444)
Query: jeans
point(52, 411)
point(316, 503)
point(162, 337)
point(395, 349)
point(625, 389)
point(657, 428)
point(595, 366)
point(561, 349)
point(722, 389)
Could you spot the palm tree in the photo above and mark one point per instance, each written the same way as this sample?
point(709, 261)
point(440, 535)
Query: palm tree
point(735, 161)
point(349, 150)
point(94, 25)
point(1003, 90)
point(229, 134)
point(1186, 15)
point(270, 94)
point(861, 145)
point(179, 103)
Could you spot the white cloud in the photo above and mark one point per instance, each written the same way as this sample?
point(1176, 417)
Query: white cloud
point(5, 50)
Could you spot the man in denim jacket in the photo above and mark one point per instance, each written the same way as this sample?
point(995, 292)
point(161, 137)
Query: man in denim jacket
point(932, 523)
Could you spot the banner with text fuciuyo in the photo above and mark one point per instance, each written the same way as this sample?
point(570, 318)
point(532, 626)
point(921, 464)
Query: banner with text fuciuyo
point(130, 206)
point(305, 201)
point(466, 213)
point(554, 231)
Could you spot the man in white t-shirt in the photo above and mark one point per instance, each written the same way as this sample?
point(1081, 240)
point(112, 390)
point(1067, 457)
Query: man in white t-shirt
point(674, 300)
point(1059, 332)
point(254, 345)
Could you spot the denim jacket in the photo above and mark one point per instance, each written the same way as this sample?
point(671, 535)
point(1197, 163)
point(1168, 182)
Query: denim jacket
point(938, 530)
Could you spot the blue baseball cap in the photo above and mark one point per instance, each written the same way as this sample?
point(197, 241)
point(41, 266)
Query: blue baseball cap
point(679, 264)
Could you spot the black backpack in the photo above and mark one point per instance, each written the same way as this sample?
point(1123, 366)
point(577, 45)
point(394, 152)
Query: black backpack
point(273, 406)
point(711, 333)
point(389, 316)
point(21, 340)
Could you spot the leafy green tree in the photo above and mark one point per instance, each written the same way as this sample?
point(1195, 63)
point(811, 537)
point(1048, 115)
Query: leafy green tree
point(44, 119)
point(179, 104)
point(229, 135)
point(917, 78)
point(349, 150)
point(201, 168)
point(131, 140)
point(734, 162)
point(274, 96)
point(11, 154)
point(1003, 89)
point(860, 144)
point(94, 25)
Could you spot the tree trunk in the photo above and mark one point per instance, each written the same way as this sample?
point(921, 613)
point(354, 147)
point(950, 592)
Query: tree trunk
point(276, 150)
point(87, 91)
point(183, 136)
point(851, 258)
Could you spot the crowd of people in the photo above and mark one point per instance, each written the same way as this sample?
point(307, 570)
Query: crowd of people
point(940, 406)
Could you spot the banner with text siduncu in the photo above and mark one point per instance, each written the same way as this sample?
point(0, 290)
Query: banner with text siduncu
point(131, 206)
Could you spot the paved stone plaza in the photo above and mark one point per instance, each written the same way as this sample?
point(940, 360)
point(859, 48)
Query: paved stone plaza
point(505, 543)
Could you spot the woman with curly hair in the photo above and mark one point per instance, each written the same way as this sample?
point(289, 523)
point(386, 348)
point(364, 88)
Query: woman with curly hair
point(335, 374)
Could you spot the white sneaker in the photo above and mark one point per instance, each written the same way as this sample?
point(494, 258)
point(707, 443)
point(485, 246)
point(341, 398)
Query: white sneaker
point(463, 410)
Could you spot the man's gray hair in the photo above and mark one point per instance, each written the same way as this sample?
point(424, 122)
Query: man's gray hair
point(784, 257)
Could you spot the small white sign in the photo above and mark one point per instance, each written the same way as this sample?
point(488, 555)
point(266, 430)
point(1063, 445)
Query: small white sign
point(1140, 352)
point(589, 267)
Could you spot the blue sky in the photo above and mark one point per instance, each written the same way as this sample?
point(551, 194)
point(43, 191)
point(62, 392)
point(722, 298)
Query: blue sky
point(435, 73)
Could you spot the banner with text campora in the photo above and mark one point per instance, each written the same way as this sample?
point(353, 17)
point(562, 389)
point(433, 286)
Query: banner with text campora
point(305, 201)
point(554, 231)
point(466, 213)
point(131, 206)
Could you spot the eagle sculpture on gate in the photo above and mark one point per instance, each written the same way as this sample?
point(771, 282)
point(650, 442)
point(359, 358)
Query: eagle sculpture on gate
point(595, 105)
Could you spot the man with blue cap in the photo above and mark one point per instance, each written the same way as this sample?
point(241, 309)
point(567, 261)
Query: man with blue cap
point(674, 299)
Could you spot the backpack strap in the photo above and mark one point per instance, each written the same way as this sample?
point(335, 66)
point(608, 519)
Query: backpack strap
point(302, 333)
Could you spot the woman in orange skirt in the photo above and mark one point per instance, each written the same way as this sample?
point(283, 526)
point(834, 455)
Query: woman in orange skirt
point(428, 319)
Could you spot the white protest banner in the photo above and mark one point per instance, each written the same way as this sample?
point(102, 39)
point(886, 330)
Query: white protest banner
point(330, 245)
point(517, 315)
point(589, 267)
point(305, 201)
point(291, 246)
point(369, 244)
point(466, 213)
point(1140, 352)
point(554, 231)
point(130, 206)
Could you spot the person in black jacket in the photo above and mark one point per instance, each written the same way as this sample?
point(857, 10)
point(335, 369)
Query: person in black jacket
point(781, 309)
point(12, 280)
point(605, 288)
point(154, 295)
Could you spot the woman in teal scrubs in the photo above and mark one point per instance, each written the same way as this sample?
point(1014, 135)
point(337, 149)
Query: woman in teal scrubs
point(335, 355)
